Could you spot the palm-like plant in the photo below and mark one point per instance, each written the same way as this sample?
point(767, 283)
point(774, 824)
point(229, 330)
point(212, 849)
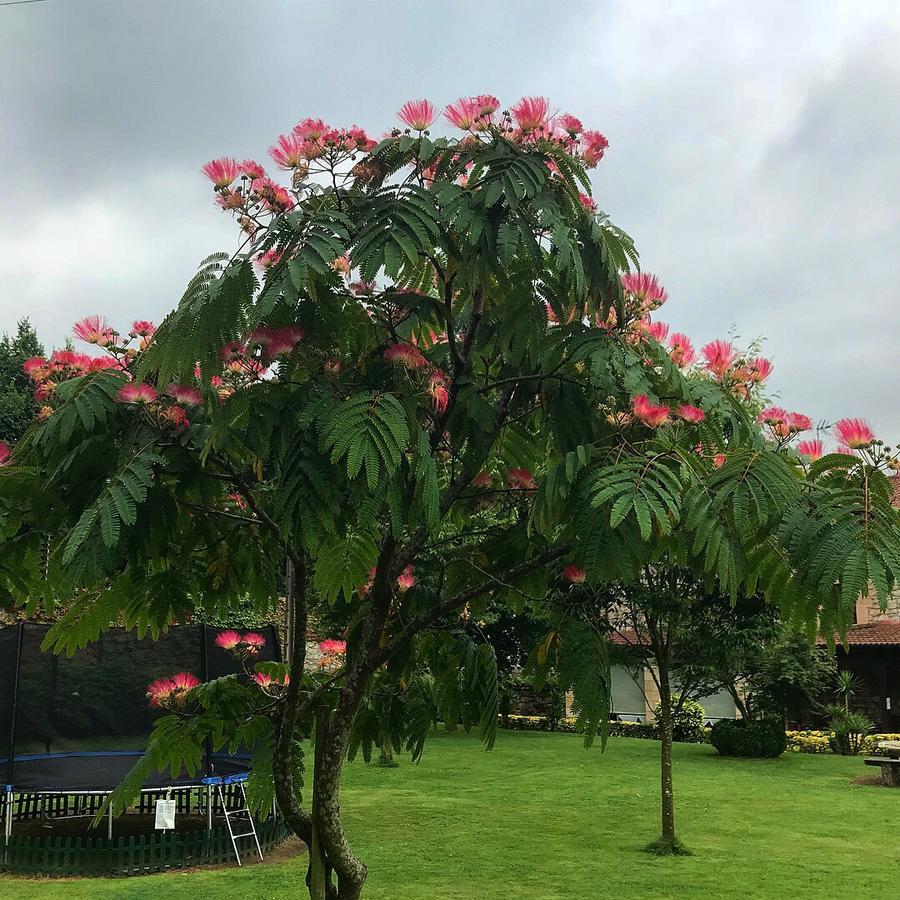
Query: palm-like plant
point(847, 684)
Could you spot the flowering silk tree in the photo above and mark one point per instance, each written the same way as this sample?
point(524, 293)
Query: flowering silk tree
point(427, 379)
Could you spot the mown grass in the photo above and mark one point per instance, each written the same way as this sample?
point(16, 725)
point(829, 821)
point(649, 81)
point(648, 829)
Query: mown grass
point(543, 819)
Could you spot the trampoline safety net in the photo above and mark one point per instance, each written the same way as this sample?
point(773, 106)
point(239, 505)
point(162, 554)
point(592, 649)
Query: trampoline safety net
point(94, 703)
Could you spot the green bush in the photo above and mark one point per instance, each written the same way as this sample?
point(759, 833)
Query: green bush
point(848, 731)
point(646, 730)
point(687, 723)
point(740, 737)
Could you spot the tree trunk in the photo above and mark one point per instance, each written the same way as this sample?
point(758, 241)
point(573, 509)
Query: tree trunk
point(668, 838)
point(327, 826)
point(318, 871)
point(386, 759)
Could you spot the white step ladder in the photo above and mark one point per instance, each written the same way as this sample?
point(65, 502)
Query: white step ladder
point(237, 813)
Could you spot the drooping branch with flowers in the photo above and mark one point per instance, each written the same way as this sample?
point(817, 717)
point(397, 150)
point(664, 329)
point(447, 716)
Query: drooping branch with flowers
point(430, 375)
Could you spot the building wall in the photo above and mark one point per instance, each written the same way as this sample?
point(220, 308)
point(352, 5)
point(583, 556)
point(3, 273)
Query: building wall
point(629, 700)
point(869, 610)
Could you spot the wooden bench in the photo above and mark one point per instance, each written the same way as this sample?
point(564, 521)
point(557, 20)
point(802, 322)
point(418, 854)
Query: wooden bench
point(890, 769)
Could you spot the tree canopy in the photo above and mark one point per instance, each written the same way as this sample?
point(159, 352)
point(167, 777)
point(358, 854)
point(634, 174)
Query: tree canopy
point(18, 406)
point(430, 377)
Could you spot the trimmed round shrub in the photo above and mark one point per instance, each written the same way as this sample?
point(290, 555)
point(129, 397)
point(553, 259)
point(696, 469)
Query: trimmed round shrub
point(740, 737)
point(687, 723)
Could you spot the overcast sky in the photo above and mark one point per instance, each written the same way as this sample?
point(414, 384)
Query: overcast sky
point(754, 150)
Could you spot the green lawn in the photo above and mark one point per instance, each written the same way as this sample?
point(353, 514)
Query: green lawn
point(541, 818)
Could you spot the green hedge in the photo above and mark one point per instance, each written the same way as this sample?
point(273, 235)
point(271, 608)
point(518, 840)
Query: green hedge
point(616, 729)
point(739, 737)
point(797, 741)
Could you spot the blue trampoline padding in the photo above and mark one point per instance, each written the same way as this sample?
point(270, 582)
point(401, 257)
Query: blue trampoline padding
point(95, 770)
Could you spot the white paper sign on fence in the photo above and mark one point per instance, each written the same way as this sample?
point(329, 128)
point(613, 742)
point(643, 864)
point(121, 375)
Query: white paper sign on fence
point(165, 814)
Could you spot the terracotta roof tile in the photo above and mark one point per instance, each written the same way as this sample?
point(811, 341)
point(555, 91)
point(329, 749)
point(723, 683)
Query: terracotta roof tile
point(884, 633)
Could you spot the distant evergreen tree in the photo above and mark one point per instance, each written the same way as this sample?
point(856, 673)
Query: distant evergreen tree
point(17, 405)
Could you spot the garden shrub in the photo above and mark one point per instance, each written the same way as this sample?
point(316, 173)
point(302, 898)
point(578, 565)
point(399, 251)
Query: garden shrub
point(848, 732)
point(647, 730)
point(742, 737)
point(687, 723)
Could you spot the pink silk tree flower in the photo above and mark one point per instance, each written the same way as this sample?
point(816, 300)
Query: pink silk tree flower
point(252, 169)
point(5, 454)
point(253, 640)
point(405, 355)
point(406, 579)
point(228, 640)
point(417, 114)
point(812, 450)
point(175, 416)
point(464, 113)
point(137, 393)
point(520, 480)
point(646, 288)
point(855, 433)
point(650, 414)
point(437, 387)
point(94, 330)
point(595, 145)
point(681, 349)
point(570, 124)
point(691, 413)
point(658, 331)
point(185, 681)
point(311, 129)
point(760, 369)
point(531, 113)
point(332, 647)
point(283, 340)
point(221, 172)
point(772, 415)
point(587, 202)
point(719, 355)
point(142, 328)
point(797, 422)
point(288, 151)
point(574, 574)
point(184, 394)
point(159, 691)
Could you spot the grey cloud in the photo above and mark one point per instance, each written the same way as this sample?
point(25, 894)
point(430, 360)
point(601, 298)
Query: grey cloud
point(753, 150)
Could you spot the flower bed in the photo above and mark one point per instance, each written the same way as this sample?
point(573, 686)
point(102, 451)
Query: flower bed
point(817, 741)
point(798, 741)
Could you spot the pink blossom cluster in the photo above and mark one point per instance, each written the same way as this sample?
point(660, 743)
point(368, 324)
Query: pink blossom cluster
point(783, 424)
point(312, 145)
point(528, 120)
point(242, 645)
point(245, 362)
point(656, 415)
point(411, 357)
point(271, 684)
point(332, 651)
point(518, 479)
point(405, 580)
point(167, 408)
point(171, 693)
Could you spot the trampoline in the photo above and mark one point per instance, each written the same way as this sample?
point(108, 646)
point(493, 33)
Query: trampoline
point(72, 727)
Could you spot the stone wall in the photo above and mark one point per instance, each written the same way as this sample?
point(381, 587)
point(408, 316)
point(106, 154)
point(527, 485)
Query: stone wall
point(869, 610)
